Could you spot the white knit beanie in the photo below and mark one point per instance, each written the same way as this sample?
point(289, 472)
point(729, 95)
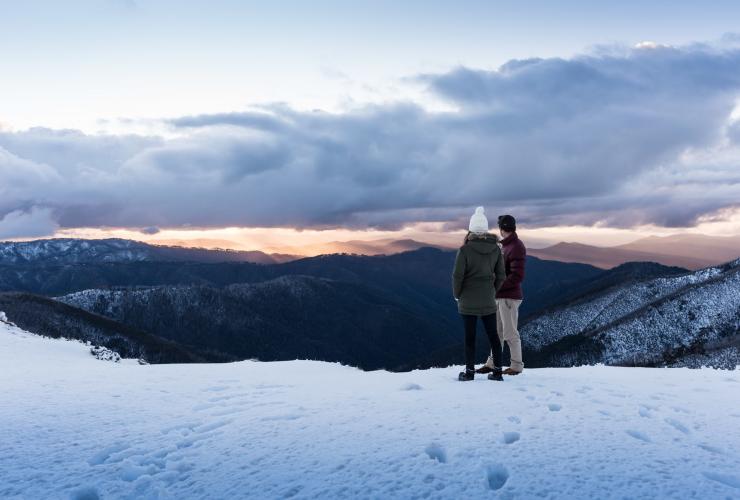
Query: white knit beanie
point(478, 222)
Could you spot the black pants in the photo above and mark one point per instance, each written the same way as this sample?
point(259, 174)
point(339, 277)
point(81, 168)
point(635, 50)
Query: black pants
point(489, 323)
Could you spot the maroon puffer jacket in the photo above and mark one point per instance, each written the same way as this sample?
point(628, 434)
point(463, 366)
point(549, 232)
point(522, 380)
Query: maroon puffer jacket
point(515, 256)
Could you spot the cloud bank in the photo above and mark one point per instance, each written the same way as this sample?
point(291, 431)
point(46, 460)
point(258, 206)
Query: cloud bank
point(620, 137)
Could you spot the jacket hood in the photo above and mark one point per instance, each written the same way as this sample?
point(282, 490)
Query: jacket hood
point(484, 245)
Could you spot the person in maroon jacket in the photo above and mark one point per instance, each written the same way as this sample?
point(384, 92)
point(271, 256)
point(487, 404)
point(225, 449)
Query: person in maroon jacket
point(509, 296)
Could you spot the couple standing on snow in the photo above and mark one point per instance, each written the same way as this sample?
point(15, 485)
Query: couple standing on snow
point(487, 284)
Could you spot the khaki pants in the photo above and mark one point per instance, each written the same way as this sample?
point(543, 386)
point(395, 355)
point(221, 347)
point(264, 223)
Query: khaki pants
point(507, 319)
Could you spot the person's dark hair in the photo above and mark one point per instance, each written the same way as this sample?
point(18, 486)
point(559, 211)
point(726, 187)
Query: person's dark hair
point(507, 223)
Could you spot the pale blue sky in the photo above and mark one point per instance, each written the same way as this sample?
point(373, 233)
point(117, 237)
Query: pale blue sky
point(67, 64)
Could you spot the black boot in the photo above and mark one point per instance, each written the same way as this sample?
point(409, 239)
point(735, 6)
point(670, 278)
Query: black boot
point(466, 375)
point(496, 375)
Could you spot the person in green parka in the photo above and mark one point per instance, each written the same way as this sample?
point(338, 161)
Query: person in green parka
point(479, 272)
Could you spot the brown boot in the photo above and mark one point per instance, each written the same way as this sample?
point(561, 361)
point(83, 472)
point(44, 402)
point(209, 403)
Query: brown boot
point(510, 371)
point(487, 368)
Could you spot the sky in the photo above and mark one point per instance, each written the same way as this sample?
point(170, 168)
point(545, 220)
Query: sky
point(245, 122)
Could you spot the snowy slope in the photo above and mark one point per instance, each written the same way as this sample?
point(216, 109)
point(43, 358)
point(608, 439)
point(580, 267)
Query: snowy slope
point(698, 316)
point(75, 427)
point(691, 319)
point(605, 308)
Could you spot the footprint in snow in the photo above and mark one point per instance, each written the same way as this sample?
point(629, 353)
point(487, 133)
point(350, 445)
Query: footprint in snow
point(411, 387)
point(515, 419)
point(103, 455)
point(497, 475)
point(436, 452)
point(510, 437)
point(292, 492)
point(677, 425)
point(711, 449)
point(211, 426)
point(555, 407)
point(130, 472)
point(645, 412)
point(86, 493)
point(726, 479)
point(640, 436)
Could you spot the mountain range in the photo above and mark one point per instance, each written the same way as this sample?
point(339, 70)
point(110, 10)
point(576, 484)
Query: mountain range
point(385, 311)
point(683, 250)
point(380, 246)
point(690, 251)
point(326, 307)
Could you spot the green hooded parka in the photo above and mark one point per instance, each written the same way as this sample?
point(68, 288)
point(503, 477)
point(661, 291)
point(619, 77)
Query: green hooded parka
point(479, 272)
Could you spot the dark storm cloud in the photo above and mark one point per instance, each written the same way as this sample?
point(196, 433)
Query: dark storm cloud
point(608, 138)
point(30, 223)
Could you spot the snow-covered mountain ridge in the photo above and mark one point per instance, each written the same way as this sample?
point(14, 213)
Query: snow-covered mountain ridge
point(649, 322)
point(320, 430)
point(75, 251)
point(72, 250)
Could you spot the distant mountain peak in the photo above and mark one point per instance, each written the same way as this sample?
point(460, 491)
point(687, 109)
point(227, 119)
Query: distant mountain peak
point(687, 251)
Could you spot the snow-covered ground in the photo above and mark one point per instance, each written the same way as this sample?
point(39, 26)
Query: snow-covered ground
point(75, 427)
